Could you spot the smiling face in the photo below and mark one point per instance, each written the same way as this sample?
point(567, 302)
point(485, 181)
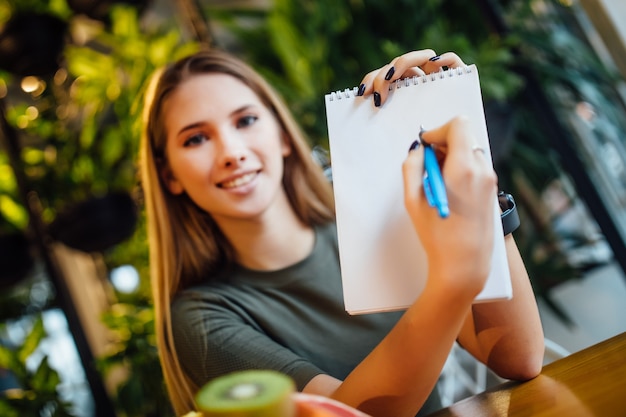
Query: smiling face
point(224, 148)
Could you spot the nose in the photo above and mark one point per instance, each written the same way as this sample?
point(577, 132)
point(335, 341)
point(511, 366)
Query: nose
point(234, 159)
point(233, 152)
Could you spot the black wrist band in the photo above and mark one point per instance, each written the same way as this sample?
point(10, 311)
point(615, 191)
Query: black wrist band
point(509, 216)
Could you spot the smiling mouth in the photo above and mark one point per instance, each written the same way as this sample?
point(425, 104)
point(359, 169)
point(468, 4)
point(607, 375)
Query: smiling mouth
point(239, 181)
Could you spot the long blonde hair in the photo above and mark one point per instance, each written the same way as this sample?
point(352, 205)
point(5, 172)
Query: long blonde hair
point(185, 243)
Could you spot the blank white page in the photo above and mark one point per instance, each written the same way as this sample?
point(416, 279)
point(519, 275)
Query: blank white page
point(383, 264)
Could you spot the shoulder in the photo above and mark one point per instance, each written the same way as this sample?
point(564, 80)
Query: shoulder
point(196, 304)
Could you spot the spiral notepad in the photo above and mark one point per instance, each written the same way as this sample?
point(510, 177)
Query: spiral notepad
point(383, 264)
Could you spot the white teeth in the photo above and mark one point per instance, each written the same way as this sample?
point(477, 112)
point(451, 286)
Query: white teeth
point(238, 182)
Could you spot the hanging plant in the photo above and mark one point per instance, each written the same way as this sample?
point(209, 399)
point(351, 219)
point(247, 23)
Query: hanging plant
point(16, 260)
point(96, 224)
point(31, 43)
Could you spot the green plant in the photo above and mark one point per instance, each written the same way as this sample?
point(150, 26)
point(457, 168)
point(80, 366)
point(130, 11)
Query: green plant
point(142, 392)
point(13, 215)
point(79, 137)
point(131, 319)
point(553, 49)
point(37, 392)
point(307, 49)
point(110, 133)
point(83, 137)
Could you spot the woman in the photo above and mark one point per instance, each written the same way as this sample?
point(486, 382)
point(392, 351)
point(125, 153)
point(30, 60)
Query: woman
point(244, 258)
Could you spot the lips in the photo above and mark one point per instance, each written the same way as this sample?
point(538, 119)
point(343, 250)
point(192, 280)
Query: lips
point(239, 181)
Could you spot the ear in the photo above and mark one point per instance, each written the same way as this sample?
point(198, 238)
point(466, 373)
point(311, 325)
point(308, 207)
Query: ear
point(170, 182)
point(285, 145)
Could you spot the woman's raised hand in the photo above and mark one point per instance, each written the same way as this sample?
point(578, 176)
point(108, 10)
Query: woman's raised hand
point(458, 247)
point(421, 62)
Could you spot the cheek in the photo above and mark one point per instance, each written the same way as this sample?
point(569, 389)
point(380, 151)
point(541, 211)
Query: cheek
point(189, 167)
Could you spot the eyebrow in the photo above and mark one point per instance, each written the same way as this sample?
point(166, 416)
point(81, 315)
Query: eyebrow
point(199, 124)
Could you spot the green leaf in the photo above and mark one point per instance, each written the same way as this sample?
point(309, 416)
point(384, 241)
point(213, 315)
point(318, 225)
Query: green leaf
point(32, 340)
point(125, 22)
point(8, 358)
point(13, 212)
point(82, 62)
point(32, 155)
point(290, 49)
point(45, 379)
point(88, 133)
point(83, 169)
point(113, 147)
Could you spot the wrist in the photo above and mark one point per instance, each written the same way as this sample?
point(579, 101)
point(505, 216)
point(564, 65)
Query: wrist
point(509, 216)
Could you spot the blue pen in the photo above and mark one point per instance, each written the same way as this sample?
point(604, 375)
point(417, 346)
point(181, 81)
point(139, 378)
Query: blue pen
point(434, 187)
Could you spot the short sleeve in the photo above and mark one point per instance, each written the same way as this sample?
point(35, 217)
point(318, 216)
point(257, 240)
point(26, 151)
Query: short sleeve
point(212, 339)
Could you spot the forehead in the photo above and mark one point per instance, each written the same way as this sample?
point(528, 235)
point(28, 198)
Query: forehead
point(215, 93)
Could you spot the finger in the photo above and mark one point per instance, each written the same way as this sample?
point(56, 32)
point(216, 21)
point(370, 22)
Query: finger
point(457, 147)
point(409, 61)
point(381, 84)
point(413, 71)
point(412, 173)
point(399, 67)
point(367, 83)
point(454, 135)
point(448, 59)
point(406, 65)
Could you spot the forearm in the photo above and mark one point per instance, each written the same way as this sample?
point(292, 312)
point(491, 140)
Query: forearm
point(507, 335)
point(399, 374)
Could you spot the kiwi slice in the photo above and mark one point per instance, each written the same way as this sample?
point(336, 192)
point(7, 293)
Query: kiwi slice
point(254, 393)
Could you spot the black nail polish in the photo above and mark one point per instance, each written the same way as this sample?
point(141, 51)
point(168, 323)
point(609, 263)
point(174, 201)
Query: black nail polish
point(435, 58)
point(361, 90)
point(414, 145)
point(444, 67)
point(390, 73)
point(376, 99)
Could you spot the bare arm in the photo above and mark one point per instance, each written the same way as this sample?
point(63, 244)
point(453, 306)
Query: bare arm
point(396, 378)
point(507, 335)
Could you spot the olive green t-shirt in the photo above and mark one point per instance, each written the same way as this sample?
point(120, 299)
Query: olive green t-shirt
point(291, 320)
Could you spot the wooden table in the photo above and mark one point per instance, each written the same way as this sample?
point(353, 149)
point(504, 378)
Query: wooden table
point(591, 382)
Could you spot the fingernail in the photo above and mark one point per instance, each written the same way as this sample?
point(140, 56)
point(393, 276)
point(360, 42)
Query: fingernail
point(444, 67)
point(414, 145)
point(361, 90)
point(435, 58)
point(390, 73)
point(422, 130)
point(376, 99)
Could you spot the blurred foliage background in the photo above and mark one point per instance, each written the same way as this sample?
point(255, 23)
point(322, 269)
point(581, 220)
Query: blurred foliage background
point(72, 97)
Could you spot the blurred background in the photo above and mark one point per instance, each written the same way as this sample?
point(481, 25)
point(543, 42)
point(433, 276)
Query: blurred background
point(76, 324)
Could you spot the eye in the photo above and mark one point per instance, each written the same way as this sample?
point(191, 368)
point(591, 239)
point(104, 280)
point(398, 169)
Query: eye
point(195, 139)
point(246, 121)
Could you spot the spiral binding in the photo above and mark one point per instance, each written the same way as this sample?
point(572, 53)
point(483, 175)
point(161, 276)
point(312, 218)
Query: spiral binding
point(405, 82)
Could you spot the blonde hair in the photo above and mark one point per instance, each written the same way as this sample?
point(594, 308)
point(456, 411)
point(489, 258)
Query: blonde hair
point(185, 243)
